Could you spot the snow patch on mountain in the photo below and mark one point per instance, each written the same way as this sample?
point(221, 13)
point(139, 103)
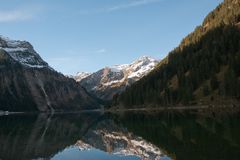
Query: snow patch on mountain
point(80, 76)
point(11, 43)
point(23, 52)
point(115, 69)
point(141, 67)
point(120, 67)
point(111, 80)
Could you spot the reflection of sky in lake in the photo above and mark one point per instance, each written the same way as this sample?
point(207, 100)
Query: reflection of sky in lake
point(165, 158)
point(73, 153)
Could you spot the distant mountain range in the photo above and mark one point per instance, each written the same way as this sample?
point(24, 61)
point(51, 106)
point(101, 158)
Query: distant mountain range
point(28, 83)
point(109, 81)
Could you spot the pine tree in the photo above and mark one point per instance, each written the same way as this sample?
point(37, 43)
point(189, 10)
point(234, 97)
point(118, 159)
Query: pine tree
point(214, 82)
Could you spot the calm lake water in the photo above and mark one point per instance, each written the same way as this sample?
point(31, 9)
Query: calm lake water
point(123, 136)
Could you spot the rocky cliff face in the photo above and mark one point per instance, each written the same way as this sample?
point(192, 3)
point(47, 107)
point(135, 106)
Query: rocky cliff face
point(22, 52)
point(27, 83)
point(109, 81)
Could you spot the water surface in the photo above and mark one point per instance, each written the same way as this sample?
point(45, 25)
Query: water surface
point(122, 136)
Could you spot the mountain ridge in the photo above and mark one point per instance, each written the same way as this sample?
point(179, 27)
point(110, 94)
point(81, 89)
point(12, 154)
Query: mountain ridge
point(29, 84)
point(109, 81)
point(23, 52)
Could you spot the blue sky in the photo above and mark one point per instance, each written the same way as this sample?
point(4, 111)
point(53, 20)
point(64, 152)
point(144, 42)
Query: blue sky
point(86, 35)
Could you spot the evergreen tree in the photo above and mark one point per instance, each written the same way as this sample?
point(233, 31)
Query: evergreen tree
point(214, 82)
point(206, 91)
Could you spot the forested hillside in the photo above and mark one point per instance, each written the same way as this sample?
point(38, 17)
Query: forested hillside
point(205, 68)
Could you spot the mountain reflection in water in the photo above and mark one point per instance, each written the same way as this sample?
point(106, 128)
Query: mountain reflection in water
point(125, 136)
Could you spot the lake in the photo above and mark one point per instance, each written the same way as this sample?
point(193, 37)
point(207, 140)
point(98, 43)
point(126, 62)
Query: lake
point(120, 136)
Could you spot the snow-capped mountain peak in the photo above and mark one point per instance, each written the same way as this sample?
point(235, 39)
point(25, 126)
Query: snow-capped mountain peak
point(141, 67)
point(111, 80)
point(81, 75)
point(119, 67)
point(22, 51)
point(144, 58)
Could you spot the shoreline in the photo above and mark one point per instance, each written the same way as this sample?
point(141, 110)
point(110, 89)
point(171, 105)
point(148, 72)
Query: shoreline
point(140, 109)
point(8, 113)
point(177, 108)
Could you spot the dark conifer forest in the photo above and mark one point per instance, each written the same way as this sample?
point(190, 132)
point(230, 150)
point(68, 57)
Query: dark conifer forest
point(204, 68)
